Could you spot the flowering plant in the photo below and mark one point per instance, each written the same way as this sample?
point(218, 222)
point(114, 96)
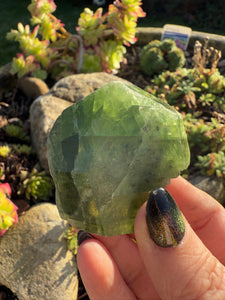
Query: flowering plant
point(48, 49)
point(8, 214)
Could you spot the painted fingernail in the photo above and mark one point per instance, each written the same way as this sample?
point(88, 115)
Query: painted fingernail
point(164, 219)
point(83, 236)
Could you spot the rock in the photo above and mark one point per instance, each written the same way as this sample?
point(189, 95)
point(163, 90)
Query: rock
point(34, 260)
point(221, 63)
point(211, 185)
point(32, 87)
point(76, 87)
point(43, 113)
point(45, 110)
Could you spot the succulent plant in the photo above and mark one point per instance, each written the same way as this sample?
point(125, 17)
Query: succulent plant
point(175, 85)
point(152, 61)
point(212, 163)
point(8, 214)
point(47, 49)
point(4, 150)
point(22, 149)
point(112, 54)
point(38, 186)
point(14, 131)
point(91, 63)
point(216, 82)
point(204, 56)
point(158, 56)
point(175, 58)
point(71, 238)
point(198, 94)
point(167, 45)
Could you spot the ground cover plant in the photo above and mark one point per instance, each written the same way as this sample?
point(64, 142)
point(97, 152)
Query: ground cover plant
point(198, 93)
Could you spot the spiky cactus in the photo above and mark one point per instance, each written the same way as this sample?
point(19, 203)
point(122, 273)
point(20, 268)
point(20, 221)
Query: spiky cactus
point(157, 57)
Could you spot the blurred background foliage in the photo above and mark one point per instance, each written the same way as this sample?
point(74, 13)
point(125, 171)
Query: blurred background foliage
point(200, 15)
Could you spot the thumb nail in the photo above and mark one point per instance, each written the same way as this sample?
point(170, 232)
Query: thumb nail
point(83, 236)
point(164, 219)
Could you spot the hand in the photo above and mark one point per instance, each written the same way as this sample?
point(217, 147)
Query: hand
point(117, 268)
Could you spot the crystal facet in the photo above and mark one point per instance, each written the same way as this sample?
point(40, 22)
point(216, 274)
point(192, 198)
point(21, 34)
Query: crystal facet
point(107, 151)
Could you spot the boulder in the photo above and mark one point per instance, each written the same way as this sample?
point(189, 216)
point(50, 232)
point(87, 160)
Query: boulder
point(34, 260)
point(43, 113)
point(76, 87)
point(211, 185)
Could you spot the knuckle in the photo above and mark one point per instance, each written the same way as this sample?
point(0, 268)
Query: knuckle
point(207, 280)
point(216, 282)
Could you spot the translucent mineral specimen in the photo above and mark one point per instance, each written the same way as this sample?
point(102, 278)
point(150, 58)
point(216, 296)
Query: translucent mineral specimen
point(107, 151)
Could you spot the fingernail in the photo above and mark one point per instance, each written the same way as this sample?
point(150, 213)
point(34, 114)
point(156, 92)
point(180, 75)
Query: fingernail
point(164, 219)
point(83, 236)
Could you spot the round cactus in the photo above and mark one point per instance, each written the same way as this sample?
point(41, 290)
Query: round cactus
point(167, 45)
point(153, 61)
point(157, 56)
point(176, 59)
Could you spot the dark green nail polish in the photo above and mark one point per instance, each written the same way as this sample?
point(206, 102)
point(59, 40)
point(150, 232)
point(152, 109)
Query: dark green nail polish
point(164, 219)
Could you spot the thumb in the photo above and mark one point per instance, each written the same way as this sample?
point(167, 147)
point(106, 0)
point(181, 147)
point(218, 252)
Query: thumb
point(179, 264)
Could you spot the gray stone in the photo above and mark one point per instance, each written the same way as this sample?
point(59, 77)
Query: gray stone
point(211, 185)
point(34, 260)
point(43, 113)
point(76, 87)
point(45, 109)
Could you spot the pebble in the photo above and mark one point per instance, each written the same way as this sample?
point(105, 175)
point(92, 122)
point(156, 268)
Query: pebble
point(32, 87)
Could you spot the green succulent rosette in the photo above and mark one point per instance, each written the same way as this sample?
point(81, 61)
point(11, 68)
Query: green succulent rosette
point(108, 151)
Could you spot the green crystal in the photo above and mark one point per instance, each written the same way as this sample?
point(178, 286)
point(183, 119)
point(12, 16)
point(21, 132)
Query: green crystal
point(107, 151)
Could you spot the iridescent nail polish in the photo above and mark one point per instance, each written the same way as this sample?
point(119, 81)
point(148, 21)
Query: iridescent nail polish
point(83, 236)
point(164, 219)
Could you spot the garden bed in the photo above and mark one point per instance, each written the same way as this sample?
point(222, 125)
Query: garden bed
point(15, 109)
point(15, 106)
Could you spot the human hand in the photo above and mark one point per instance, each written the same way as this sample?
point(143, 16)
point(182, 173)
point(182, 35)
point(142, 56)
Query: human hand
point(117, 268)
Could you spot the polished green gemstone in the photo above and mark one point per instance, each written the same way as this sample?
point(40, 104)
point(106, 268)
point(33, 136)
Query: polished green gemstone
point(107, 151)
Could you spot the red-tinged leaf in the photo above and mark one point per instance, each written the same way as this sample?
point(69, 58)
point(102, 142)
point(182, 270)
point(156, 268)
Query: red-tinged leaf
point(6, 189)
